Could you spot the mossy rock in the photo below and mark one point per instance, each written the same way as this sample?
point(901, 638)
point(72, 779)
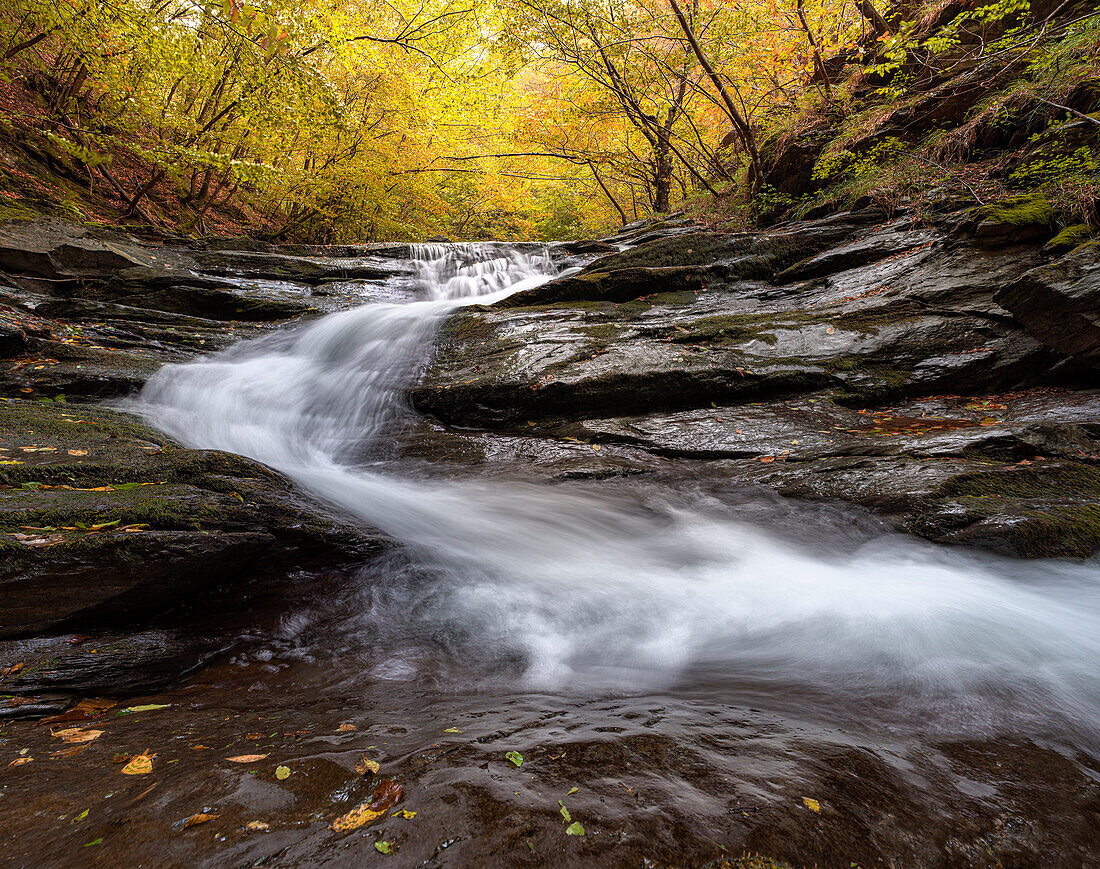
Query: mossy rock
point(1069, 238)
point(1029, 210)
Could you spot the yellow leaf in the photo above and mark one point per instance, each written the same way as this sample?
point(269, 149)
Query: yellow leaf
point(404, 813)
point(257, 826)
point(355, 819)
point(140, 765)
point(812, 805)
point(19, 761)
point(366, 765)
point(78, 452)
point(246, 758)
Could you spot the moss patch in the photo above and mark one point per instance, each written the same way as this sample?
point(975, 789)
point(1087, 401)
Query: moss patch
point(1030, 210)
point(1062, 481)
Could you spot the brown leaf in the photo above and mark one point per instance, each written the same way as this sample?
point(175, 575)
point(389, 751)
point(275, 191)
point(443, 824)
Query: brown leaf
point(91, 707)
point(365, 765)
point(14, 668)
point(346, 728)
point(246, 758)
point(253, 736)
point(68, 752)
point(19, 761)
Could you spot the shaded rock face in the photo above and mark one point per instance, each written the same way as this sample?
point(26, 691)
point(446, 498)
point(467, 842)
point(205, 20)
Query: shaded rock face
point(1059, 303)
point(827, 360)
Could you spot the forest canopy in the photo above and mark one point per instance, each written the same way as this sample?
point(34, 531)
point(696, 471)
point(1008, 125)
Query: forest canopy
point(387, 120)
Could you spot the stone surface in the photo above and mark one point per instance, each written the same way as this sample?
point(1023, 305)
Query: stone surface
point(1059, 303)
point(105, 521)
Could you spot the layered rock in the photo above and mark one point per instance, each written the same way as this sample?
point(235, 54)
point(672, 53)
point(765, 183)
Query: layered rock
point(855, 359)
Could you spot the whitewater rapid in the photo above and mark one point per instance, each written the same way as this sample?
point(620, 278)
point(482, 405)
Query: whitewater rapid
point(626, 591)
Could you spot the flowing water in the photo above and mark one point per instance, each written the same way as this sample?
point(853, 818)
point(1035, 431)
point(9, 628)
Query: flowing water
point(631, 587)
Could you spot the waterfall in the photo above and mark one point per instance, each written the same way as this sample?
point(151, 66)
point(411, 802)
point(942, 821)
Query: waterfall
point(623, 589)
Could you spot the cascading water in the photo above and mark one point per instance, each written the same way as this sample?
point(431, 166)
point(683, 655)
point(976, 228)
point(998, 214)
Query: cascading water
point(637, 589)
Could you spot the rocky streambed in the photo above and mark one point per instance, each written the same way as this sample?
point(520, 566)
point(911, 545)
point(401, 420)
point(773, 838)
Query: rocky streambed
point(824, 383)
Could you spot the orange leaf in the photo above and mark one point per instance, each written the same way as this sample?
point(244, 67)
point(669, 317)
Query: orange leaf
point(246, 758)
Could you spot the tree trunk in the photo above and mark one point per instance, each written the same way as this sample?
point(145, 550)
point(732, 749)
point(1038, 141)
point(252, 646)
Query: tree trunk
point(740, 123)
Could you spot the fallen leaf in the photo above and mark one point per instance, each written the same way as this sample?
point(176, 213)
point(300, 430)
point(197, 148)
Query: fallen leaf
point(93, 842)
point(246, 758)
point(14, 668)
point(572, 791)
point(574, 829)
point(19, 761)
point(812, 805)
point(452, 730)
point(77, 734)
point(194, 821)
point(346, 728)
point(515, 757)
point(564, 813)
point(830, 331)
point(142, 764)
point(148, 707)
point(78, 452)
point(90, 707)
point(404, 813)
point(355, 819)
point(366, 765)
point(387, 795)
point(121, 758)
point(201, 748)
point(81, 816)
point(73, 751)
point(767, 460)
point(253, 736)
point(987, 421)
point(383, 847)
point(257, 826)
point(282, 773)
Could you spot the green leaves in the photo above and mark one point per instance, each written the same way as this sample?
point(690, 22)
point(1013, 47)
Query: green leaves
point(574, 829)
point(515, 757)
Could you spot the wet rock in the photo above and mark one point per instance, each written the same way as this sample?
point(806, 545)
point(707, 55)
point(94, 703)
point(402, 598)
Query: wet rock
point(911, 323)
point(1059, 303)
point(620, 285)
point(113, 664)
point(896, 238)
point(104, 521)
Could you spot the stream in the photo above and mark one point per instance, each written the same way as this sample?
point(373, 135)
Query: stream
point(722, 652)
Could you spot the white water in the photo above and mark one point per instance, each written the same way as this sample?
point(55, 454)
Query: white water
point(642, 589)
